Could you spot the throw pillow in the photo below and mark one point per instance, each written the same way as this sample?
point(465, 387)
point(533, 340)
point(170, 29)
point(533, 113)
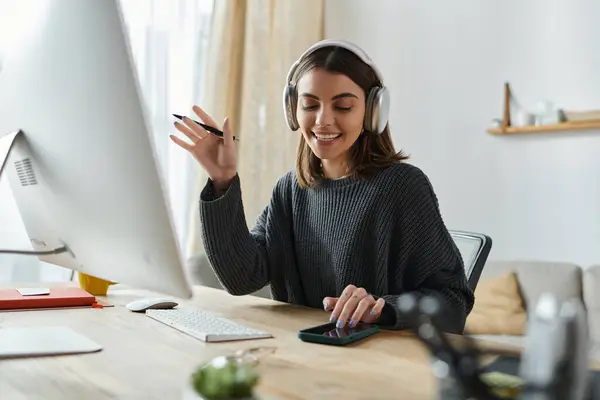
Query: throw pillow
point(498, 308)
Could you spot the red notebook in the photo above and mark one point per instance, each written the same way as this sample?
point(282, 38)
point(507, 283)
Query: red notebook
point(11, 299)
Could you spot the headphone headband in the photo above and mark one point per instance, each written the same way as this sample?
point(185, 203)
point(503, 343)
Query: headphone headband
point(360, 53)
point(378, 98)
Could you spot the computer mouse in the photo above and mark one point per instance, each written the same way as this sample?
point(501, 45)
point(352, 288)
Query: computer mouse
point(151, 303)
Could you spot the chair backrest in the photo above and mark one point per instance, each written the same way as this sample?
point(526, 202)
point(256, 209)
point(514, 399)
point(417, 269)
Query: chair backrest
point(474, 249)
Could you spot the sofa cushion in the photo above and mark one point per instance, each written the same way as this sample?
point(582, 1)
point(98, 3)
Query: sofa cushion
point(591, 292)
point(563, 280)
point(201, 273)
point(498, 307)
point(517, 341)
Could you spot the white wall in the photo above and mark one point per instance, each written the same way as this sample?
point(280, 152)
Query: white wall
point(445, 62)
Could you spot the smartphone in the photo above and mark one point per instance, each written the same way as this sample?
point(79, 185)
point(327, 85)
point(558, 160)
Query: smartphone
point(329, 334)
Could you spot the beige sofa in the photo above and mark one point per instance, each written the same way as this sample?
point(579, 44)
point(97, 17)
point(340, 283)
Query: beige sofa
point(564, 280)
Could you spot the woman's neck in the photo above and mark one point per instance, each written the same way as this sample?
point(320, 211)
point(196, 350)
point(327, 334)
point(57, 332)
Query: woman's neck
point(335, 169)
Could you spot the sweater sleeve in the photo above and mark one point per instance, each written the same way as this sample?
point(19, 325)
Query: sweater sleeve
point(242, 259)
point(430, 263)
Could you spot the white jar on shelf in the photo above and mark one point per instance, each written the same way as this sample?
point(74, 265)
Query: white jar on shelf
point(547, 114)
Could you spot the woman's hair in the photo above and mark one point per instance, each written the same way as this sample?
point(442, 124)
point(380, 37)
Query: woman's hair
point(371, 152)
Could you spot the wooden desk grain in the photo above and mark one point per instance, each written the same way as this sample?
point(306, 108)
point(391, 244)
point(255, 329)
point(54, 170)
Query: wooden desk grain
point(145, 359)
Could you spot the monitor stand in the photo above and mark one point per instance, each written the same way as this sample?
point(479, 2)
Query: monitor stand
point(6, 144)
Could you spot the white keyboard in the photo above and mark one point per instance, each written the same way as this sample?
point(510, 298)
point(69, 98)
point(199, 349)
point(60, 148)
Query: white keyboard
point(206, 326)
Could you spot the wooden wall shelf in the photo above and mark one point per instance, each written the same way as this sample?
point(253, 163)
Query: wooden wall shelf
point(505, 127)
point(564, 126)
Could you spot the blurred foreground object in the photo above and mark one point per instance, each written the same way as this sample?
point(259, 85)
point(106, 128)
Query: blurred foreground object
point(229, 377)
point(554, 362)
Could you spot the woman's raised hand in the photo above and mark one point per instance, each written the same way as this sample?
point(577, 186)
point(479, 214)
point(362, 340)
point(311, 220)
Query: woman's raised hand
point(218, 156)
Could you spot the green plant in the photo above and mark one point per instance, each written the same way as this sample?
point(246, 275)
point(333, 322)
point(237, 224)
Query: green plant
point(225, 378)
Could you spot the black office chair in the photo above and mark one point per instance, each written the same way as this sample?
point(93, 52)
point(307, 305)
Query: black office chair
point(474, 249)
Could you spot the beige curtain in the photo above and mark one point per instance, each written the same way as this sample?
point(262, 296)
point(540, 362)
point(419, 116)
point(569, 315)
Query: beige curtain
point(253, 45)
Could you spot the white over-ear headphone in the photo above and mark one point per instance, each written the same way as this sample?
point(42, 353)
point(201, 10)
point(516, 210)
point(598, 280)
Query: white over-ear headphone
point(378, 99)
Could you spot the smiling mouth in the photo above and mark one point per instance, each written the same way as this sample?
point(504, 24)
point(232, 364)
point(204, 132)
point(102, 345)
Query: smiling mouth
point(326, 137)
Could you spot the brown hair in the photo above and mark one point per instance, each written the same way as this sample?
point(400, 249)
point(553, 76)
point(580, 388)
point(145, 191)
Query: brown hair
point(371, 152)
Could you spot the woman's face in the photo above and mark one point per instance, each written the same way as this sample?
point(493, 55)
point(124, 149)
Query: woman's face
point(331, 110)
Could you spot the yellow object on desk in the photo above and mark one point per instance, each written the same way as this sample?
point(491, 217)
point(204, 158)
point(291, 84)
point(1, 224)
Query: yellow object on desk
point(94, 286)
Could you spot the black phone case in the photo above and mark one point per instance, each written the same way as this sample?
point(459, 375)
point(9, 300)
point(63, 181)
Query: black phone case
point(307, 336)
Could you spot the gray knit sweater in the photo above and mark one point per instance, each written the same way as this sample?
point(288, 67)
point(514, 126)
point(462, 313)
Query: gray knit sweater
point(384, 234)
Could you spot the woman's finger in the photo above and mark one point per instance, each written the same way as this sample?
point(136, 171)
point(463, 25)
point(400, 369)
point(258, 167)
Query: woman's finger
point(204, 117)
point(181, 143)
point(329, 303)
point(344, 297)
point(197, 130)
point(227, 133)
point(363, 308)
point(351, 306)
point(375, 312)
point(187, 132)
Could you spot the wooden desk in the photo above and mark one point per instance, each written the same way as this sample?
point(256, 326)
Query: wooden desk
point(145, 359)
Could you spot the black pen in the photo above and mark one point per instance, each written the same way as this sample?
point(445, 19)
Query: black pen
point(207, 127)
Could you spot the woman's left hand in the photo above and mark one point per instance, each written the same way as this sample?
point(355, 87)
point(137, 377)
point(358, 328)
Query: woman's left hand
point(354, 305)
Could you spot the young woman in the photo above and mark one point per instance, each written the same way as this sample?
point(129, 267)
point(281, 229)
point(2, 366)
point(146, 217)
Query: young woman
point(354, 226)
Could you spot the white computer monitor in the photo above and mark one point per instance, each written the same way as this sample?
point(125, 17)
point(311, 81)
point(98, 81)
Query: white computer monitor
point(84, 172)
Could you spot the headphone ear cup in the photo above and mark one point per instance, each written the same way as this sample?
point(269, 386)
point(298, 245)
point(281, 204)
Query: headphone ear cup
point(368, 122)
point(377, 110)
point(289, 106)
